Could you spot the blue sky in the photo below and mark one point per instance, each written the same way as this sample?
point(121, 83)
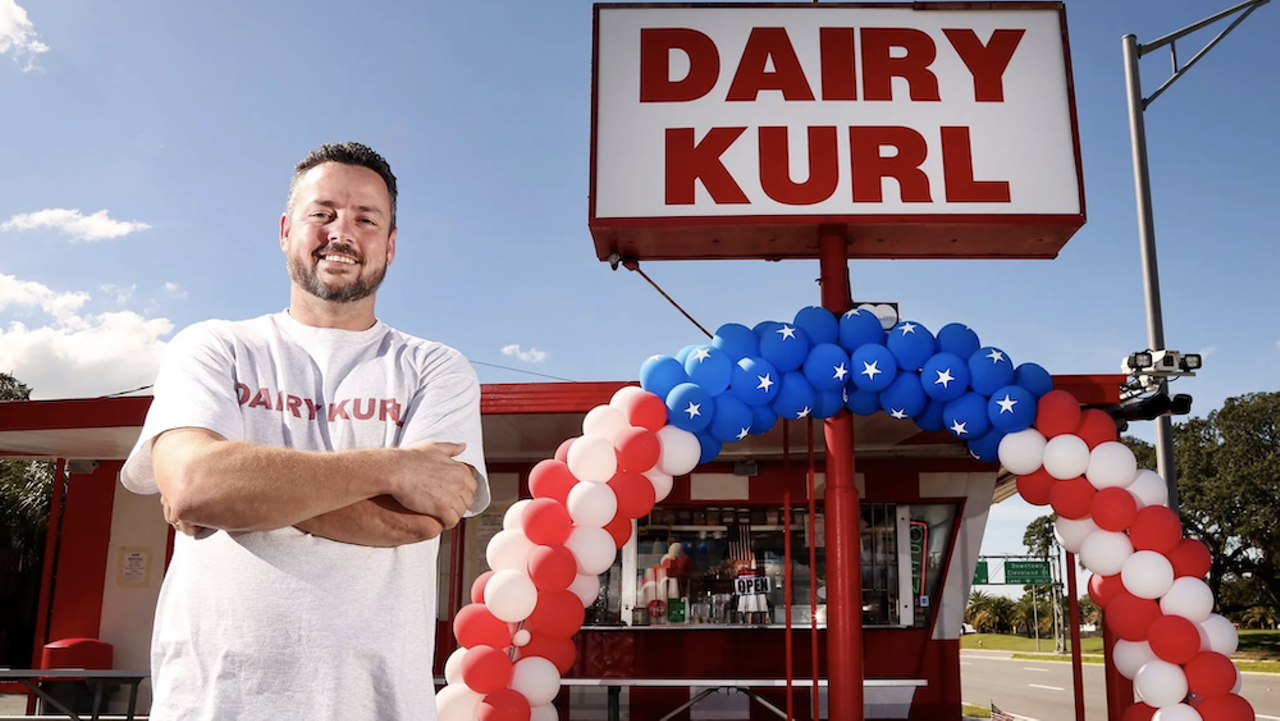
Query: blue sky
point(146, 147)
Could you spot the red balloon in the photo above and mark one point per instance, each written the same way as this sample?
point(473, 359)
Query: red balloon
point(1113, 509)
point(638, 449)
point(1104, 589)
point(1190, 558)
point(562, 452)
point(477, 588)
point(620, 529)
point(485, 669)
point(560, 650)
point(1130, 617)
point(1226, 708)
point(1155, 528)
point(1096, 427)
point(635, 493)
point(505, 705)
point(1072, 499)
point(551, 479)
point(1057, 412)
point(1176, 640)
point(552, 568)
point(546, 521)
point(1210, 674)
point(1139, 712)
point(645, 410)
point(475, 625)
point(557, 613)
point(1035, 488)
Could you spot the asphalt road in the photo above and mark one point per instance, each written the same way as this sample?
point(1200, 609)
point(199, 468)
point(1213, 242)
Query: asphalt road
point(1042, 690)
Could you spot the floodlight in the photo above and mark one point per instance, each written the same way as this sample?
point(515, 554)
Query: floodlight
point(1191, 362)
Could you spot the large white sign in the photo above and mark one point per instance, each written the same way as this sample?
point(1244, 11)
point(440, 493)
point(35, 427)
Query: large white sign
point(808, 114)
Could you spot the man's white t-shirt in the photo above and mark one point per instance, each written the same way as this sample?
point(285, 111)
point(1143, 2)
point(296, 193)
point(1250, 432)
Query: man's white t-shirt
point(282, 624)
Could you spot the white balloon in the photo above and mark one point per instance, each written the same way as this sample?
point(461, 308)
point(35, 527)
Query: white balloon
point(592, 505)
point(680, 451)
point(586, 587)
point(546, 712)
point(592, 458)
point(453, 667)
point(1219, 635)
point(1111, 465)
point(508, 549)
point(457, 702)
point(1180, 712)
point(510, 595)
point(593, 548)
point(661, 483)
point(1072, 534)
point(1239, 683)
point(1149, 489)
point(1160, 684)
point(521, 638)
point(1147, 574)
point(1022, 453)
point(512, 520)
point(604, 421)
point(624, 394)
point(537, 679)
point(1188, 597)
point(1104, 552)
point(1129, 656)
point(1066, 457)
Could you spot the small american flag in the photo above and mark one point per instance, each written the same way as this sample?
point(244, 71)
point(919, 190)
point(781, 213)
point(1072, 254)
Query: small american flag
point(998, 715)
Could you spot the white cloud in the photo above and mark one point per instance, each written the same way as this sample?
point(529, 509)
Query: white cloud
point(174, 290)
point(122, 293)
point(76, 355)
point(1208, 351)
point(19, 35)
point(533, 355)
point(74, 223)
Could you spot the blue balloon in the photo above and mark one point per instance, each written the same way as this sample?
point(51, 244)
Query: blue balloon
point(874, 367)
point(930, 419)
point(912, 344)
point(1012, 409)
point(689, 408)
point(829, 403)
point(797, 397)
point(966, 416)
point(958, 339)
point(763, 419)
point(763, 326)
point(987, 448)
point(945, 377)
point(858, 328)
point(710, 447)
point(819, 323)
point(732, 419)
point(905, 397)
point(989, 370)
point(755, 381)
point(710, 368)
point(1034, 378)
point(660, 373)
point(737, 340)
point(864, 402)
point(827, 367)
point(785, 346)
point(684, 352)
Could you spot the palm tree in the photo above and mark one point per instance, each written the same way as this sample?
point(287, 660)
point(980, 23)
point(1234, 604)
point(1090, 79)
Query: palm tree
point(1259, 617)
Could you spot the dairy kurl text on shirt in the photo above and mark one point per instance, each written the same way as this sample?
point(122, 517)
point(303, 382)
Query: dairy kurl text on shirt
point(359, 409)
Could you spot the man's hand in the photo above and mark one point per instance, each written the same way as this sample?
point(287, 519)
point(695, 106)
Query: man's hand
point(179, 526)
point(429, 480)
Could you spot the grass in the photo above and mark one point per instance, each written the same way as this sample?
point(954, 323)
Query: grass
point(1258, 651)
point(1005, 642)
point(1259, 645)
point(971, 711)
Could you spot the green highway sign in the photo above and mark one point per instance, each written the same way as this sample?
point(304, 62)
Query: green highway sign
point(1027, 573)
point(980, 575)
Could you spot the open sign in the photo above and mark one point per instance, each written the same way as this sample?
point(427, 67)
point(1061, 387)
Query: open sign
point(751, 585)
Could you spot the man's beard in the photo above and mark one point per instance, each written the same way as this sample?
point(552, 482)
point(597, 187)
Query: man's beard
point(308, 278)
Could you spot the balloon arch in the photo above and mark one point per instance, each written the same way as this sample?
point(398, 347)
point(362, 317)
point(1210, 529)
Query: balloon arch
point(515, 638)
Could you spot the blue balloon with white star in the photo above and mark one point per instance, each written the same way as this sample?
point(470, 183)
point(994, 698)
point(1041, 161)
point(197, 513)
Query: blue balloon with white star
point(912, 344)
point(874, 367)
point(1012, 409)
point(709, 367)
point(684, 352)
point(989, 370)
point(958, 339)
point(987, 448)
point(864, 402)
point(737, 341)
point(945, 377)
point(966, 416)
point(755, 381)
point(731, 420)
point(689, 407)
point(796, 399)
point(785, 346)
point(819, 324)
point(827, 367)
point(858, 328)
point(763, 326)
point(763, 419)
point(660, 373)
point(1034, 378)
point(905, 397)
point(828, 403)
point(930, 419)
point(710, 447)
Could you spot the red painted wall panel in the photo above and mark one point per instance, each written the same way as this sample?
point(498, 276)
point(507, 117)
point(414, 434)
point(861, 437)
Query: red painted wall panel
point(83, 554)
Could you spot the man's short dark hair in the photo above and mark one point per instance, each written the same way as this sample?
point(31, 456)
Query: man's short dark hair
point(347, 154)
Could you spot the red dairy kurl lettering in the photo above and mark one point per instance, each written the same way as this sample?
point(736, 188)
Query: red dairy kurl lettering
point(880, 67)
point(765, 45)
point(364, 415)
point(689, 161)
point(262, 399)
point(870, 167)
point(957, 172)
point(389, 409)
point(338, 410)
point(656, 45)
point(986, 63)
point(775, 166)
